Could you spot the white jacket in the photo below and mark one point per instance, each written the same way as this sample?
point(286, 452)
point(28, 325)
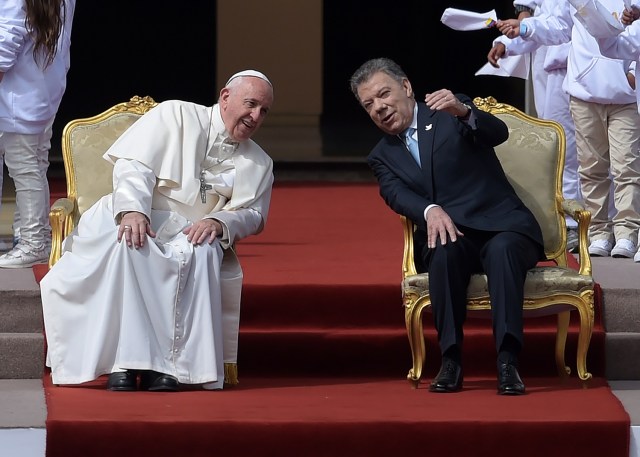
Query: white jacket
point(29, 95)
point(625, 46)
point(591, 77)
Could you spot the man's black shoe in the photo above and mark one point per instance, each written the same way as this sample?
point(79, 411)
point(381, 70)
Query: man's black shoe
point(509, 382)
point(449, 378)
point(158, 382)
point(123, 381)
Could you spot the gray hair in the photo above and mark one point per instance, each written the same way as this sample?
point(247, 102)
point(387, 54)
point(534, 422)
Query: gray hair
point(373, 66)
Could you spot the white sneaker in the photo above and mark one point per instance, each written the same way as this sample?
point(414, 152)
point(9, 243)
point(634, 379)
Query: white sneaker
point(600, 248)
point(624, 248)
point(636, 258)
point(24, 256)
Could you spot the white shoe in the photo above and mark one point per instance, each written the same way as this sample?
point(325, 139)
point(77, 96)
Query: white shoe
point(636, 258)
point(624, 248)
point(24, 256)
point(600, 248)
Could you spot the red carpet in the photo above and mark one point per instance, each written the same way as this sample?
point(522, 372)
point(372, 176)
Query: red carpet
point(323, 360)
point(339, 417)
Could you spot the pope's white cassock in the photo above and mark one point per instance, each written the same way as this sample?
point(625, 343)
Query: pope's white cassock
point(169, 306)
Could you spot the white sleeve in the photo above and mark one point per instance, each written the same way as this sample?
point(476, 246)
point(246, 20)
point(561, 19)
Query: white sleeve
point(13, 32)
point(552, 26)
point(623, 46)
point(133, 185)
point(516, 46)
point(238, 223)
point(528, 3)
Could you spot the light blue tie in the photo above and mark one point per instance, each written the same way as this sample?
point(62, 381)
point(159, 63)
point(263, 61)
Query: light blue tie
point(412, 144)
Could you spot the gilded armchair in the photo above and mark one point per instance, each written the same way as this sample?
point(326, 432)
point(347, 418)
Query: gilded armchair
point(89, 176)
point(533, 159)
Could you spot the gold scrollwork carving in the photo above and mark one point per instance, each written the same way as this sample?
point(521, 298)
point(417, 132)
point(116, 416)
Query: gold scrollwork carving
point(137, 105)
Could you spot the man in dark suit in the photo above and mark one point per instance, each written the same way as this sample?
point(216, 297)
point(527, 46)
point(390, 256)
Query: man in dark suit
point(468, 217)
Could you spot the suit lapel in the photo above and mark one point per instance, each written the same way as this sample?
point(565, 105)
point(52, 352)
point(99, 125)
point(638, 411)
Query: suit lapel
point(426, 129)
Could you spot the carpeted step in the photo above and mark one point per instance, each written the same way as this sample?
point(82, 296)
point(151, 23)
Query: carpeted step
point(22, 355)
point(622, 310)
point(320, 417)
point(386, 352)
point(622, 352)
point(21, 337)
point(323, 360)
point(359, 329)
point(622, 323)
point(20, 310)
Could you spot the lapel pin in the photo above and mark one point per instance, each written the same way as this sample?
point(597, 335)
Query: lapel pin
point(428, 127)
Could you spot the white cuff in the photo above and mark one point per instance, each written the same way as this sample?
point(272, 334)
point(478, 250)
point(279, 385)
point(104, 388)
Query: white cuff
point(428, 208)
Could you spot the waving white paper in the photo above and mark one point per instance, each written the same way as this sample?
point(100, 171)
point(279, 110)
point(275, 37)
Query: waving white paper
point(468, 20)
point(517, 66)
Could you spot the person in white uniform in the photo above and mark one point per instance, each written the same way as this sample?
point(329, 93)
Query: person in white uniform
point(147, 289)
point(549, 68)
point(35, 42)
point(607, 124)
point(625, 45)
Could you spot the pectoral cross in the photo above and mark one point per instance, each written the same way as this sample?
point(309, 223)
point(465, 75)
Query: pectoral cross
point(204, 187)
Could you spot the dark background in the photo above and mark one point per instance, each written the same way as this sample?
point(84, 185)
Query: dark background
point(123, 48)
point(410, 32)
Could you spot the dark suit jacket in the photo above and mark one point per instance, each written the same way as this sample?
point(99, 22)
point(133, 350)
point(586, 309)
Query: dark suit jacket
point(460, 172)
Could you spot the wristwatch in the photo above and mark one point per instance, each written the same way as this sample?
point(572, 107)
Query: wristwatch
point(466, 116)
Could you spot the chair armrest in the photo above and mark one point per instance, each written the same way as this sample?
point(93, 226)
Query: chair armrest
point(61, 220)
point(578, 213)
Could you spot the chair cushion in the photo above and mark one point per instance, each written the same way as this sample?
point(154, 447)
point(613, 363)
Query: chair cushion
point(540, 282)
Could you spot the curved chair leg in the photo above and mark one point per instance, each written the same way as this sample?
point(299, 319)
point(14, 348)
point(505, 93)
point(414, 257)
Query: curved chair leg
point(584, 338)
point(413, 322)
point(561, 343)
point(231, 374)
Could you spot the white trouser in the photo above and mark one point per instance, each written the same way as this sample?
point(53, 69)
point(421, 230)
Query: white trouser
point(43, 163)
point(27, 159)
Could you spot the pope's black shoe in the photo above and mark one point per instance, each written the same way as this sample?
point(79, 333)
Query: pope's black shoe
point(449, 378)
point(158, 382)
point(123, 381)
point(509, 382)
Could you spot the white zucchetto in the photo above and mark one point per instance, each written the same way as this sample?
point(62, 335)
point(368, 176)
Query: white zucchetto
point(253, 73)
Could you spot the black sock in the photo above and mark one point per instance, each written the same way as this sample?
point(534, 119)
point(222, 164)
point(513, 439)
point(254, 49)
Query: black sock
point(509, 350)
point(453, 353)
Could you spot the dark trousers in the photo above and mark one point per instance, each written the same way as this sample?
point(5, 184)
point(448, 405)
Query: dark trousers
point(505, 257)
